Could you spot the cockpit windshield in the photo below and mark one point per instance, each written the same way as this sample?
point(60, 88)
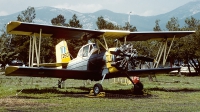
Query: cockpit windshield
point(86, 50)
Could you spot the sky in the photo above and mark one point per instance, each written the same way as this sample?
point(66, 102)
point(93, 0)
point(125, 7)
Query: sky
point(138, 7)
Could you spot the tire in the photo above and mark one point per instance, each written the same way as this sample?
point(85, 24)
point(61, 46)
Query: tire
point(97, 89)
point(138, 87)
point(59, 84)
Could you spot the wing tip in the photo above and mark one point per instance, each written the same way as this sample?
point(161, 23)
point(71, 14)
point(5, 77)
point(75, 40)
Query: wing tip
point(10, 69)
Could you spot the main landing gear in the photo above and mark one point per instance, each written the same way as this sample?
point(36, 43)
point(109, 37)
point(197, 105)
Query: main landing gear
point(97, 89)
point(137, 87)
point(61, 83)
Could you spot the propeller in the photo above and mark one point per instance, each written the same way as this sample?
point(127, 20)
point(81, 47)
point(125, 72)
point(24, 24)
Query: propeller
point(126, 58)
point(144, 58)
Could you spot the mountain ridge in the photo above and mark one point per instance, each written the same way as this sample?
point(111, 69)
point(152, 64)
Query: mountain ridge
point(88, 20)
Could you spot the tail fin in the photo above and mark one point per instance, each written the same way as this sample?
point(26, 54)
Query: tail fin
point(62, 52)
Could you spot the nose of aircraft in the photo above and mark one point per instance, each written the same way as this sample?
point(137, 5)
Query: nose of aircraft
point(123, 57)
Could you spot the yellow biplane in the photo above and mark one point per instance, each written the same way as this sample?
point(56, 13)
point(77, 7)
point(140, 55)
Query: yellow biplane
point(92, 62)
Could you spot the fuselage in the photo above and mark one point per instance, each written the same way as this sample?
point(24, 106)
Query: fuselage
point(91, 59)
point(87, 58)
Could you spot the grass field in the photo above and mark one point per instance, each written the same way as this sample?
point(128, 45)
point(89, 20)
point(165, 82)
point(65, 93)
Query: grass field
point(169, 93)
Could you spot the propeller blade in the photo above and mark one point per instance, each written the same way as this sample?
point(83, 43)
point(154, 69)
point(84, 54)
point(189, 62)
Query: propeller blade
point(118, 52)
point(144, 58)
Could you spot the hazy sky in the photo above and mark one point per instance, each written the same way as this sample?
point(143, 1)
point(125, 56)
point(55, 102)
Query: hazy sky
point(139, 7)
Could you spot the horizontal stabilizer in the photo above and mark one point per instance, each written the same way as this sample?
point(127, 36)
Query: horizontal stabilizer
point(50, 65)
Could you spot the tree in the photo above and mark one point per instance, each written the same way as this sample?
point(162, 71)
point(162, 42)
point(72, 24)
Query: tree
point(74, 22)
point(19, 45)
point(59, 20)
point(101, 23)
point(129, 27)
point(173, 24)
point(192, 23)
point(27, 15)
point(191, 44)
point(157, 26)
point(6, 52)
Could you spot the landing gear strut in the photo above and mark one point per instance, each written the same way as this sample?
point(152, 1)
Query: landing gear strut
point(98, 89)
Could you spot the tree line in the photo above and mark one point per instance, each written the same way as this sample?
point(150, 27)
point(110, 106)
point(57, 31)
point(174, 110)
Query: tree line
point(184, 49)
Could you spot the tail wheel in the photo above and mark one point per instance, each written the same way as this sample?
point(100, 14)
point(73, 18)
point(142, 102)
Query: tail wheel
point(97, 89)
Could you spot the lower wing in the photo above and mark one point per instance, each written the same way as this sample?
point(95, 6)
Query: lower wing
point(50, 72)
point(143, 72)
point(79, 74)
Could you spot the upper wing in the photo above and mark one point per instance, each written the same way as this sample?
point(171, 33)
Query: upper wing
point(22, 28)
point(143, 36)
point(114, 34)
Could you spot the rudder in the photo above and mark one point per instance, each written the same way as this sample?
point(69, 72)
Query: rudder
point(62, 52)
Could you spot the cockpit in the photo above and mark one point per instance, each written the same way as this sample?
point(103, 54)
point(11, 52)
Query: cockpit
point(87, 50)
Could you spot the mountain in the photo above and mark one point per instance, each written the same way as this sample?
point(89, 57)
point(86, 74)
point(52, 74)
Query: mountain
point(182, 12)
point(88, 20)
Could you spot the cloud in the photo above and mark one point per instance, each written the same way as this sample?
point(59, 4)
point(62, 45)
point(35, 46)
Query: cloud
point(3, 13)
point(84, 8)
point(148, 13)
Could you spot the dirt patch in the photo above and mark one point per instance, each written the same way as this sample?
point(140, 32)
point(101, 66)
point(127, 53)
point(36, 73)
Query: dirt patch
point(19, 102)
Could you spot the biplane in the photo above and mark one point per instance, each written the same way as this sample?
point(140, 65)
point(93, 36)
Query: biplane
point(95, 60)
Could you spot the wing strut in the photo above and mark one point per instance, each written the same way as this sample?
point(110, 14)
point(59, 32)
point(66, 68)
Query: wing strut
point(34, 49)
point(163, 52)
point(32, 52)
point(125, 39)
point(105, 42)
point(39, 47)
point(169, 49)
point(29, 59)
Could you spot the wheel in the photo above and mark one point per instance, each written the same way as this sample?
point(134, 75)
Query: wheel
point(59, 84)
point(97, 89)
point(138, 87)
